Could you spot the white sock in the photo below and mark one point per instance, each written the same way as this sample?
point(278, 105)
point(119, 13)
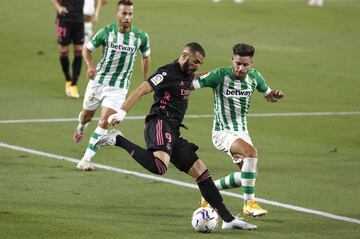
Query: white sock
point(88, 31)
point(90, 151)
point(232, 180)
point(320, 3)
point(82, 126)
point(311, 2)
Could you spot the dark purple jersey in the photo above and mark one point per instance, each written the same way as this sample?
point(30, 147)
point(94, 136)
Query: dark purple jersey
point(75, 9)
point(172, 90)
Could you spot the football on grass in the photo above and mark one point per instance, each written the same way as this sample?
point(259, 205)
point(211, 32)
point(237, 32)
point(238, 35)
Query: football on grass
point(205, 219)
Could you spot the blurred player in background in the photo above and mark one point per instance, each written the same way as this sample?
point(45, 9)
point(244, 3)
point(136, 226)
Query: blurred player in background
point(171, 85)
point(70, 29)
point(235, 1)
point(233, 86)
point(91, 15)
point(109, 81)
point(316, 3)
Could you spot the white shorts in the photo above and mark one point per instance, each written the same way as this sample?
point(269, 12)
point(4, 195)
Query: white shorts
point(89, 7)
point(107, 96)
point(223, 140)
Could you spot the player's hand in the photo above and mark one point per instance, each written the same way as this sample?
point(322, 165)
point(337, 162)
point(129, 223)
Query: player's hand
point(91, 72)
point(278, 94)
point(117, 118)
point(275, 95)
point(62, 11)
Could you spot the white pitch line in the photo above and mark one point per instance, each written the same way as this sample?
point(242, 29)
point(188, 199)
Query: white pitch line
point(289, 114)
point(180, 183)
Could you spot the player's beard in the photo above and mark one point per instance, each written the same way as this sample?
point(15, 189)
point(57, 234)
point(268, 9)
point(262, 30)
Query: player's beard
point(126, 25)
point(186, 67)
point(239, 77)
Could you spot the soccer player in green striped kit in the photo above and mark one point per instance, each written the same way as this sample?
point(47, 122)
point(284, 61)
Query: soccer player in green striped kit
point(232, 87)
point(109, 81)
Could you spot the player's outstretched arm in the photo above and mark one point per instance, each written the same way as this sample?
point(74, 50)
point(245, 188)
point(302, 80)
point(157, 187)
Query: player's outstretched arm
point(274, 95)
point(145, 65)
point(143, 89)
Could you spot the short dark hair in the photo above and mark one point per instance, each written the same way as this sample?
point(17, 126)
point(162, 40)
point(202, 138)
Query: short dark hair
point(125, 2)
point(243, 49)
point(196, 47)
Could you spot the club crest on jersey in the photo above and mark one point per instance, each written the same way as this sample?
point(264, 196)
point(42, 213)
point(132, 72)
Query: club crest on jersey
point(157, 79)
point(122, 48)
point(236, 92)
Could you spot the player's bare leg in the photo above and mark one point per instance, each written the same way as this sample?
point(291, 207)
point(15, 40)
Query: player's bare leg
point(85, 117)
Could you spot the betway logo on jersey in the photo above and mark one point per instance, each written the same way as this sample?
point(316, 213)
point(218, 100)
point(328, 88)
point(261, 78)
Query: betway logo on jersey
point(122, 48)
point(236, 92)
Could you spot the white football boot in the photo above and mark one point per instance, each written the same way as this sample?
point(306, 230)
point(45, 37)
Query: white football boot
point(84, 165)
point(237, 223)
point(108, 139)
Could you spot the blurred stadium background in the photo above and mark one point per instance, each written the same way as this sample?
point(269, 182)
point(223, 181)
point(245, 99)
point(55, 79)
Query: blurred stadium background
point(308, 160)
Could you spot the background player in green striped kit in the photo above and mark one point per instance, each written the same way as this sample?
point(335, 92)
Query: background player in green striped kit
point(110, 80)
point(233, 87)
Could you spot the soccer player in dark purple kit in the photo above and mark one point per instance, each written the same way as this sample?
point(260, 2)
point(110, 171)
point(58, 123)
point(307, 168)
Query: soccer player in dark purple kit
point(70, 29)
point(171, 84)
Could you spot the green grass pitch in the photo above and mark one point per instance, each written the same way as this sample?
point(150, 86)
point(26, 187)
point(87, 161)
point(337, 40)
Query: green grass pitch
point(312, 54)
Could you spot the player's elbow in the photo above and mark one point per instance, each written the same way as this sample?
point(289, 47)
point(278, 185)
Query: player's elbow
point(85, 52)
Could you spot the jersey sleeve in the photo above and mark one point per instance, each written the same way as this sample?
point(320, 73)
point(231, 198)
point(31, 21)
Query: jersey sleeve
point(145, 44)
point(98, 39)
point(211, 79)
point(158, 79)
point(261, 85)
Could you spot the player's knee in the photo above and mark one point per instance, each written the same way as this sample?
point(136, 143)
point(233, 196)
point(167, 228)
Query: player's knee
point(250, 152)
point(64, 54)
point(197, 169)
point(204, 176)
point(64, 50)
point(78, 53)
point(158, 172)
point(87, 18)
point(103, 123)
point(159, 167)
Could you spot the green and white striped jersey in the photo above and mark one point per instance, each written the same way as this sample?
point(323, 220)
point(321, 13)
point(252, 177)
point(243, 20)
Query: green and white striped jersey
point(232, 96)
point(116, 66)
